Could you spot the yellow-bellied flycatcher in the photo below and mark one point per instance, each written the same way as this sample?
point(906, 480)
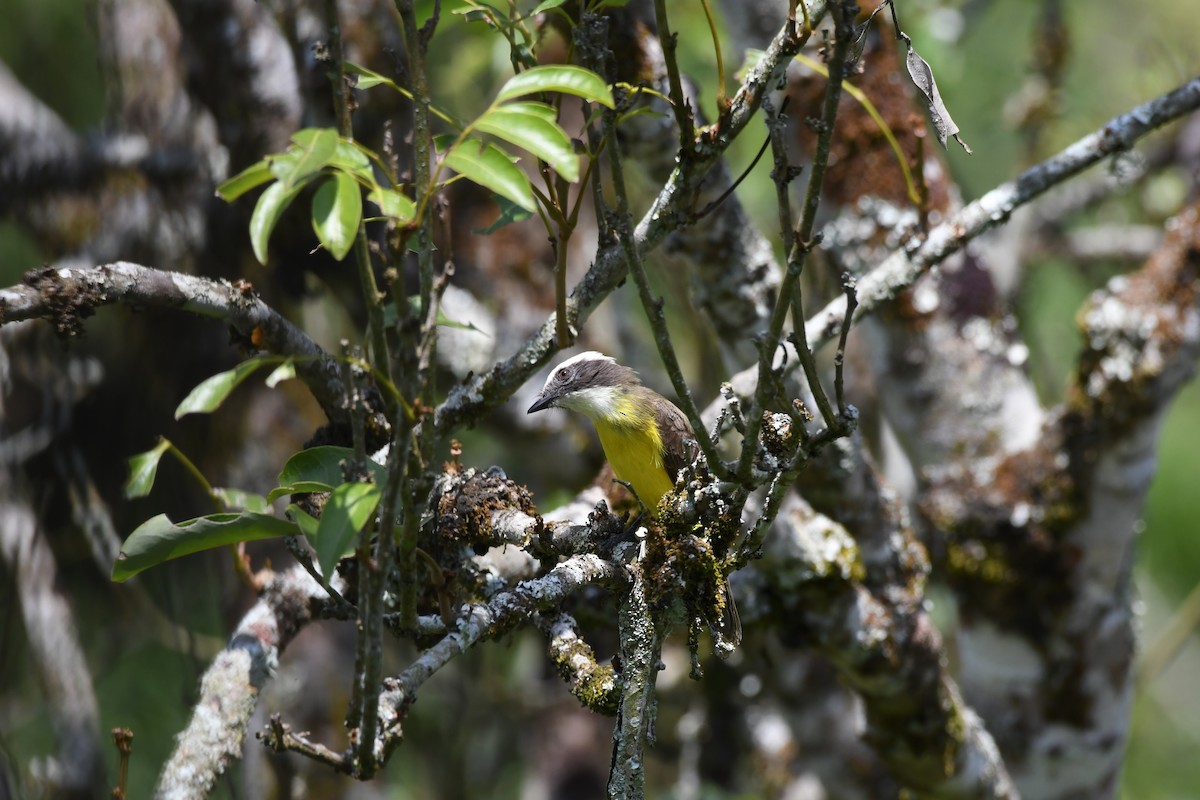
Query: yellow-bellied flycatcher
point(645, 437)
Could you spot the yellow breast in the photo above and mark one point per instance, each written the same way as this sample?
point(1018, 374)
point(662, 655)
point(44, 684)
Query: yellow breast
point(635, 454)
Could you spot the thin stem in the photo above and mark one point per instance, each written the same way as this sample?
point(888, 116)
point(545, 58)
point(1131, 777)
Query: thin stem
point(415, 43)
point(562, 331)
point(362, 257)
point(849, 286)
point(683, 112)
point(712, 29)
point(910, 179)
point(195, 472)
point(708, 209)
point(782, 175)
point(654, 306)
point(373, 582)
point(843, 18)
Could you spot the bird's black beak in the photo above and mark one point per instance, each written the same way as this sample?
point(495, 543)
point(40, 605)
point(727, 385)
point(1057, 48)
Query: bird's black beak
point(542, 403)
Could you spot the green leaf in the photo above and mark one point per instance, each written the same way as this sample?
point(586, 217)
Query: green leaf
point(304, 520)
point(414, 302)
point(283, 165)
point(526, 125)
point(546, 5)
point(236, 499)
point(533, 109)
point(316, 147)
point(349, 508)
point(158, 539)
point(488, 165)
point(270, 207)
point(142, 469)
point(249, 178)
point(284, 372)
point(393, 203)
point(318, 469)
point(336, 214)
point(211, 392)
point(567, 79)
point(349, 158)
point(509, 213)
point(369, 78)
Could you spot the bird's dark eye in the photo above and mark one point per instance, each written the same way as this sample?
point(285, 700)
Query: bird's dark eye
point(563, 373)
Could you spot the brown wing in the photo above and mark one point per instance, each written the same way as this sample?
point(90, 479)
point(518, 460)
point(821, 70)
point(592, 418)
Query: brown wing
point(679, 446)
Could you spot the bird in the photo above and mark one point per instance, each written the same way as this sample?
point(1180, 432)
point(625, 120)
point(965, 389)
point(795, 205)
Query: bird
point(646, 438)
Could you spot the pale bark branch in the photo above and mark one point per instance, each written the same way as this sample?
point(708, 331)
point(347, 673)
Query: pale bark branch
point(230, 687)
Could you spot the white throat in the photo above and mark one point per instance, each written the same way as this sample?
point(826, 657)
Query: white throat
point(597, 402)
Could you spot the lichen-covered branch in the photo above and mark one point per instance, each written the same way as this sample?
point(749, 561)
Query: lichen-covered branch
point(499, 615)
point(1039, 544)
point(230, 687)
point(885, 647)
point(641, 645)
point(902, 268)
point(67, 295)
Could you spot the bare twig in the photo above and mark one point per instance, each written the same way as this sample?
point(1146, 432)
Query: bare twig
point(801, 244)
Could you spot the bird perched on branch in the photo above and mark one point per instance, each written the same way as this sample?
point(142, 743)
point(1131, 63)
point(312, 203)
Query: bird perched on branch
point(646, 438)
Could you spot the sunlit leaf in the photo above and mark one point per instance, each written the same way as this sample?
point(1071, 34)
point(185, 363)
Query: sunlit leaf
point(393, 203)
point(270, 207)
point(349, 157)
point(283, 165)
point(488, 165)
point(567, 79)
point(527, 126)
point(158, 539)
point(143, 467)
point(238, 500)
point(546, 5)
point(211, 392)
point(336, 213)
point(534, 109)
point(284, 372)
point(348, 509)
point(315, 147)
point(252, 176)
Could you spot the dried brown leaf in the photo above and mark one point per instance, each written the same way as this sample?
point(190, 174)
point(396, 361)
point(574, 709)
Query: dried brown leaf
point(922, 76)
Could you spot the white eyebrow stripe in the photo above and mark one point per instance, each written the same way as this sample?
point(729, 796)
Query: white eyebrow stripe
point(589, 355)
